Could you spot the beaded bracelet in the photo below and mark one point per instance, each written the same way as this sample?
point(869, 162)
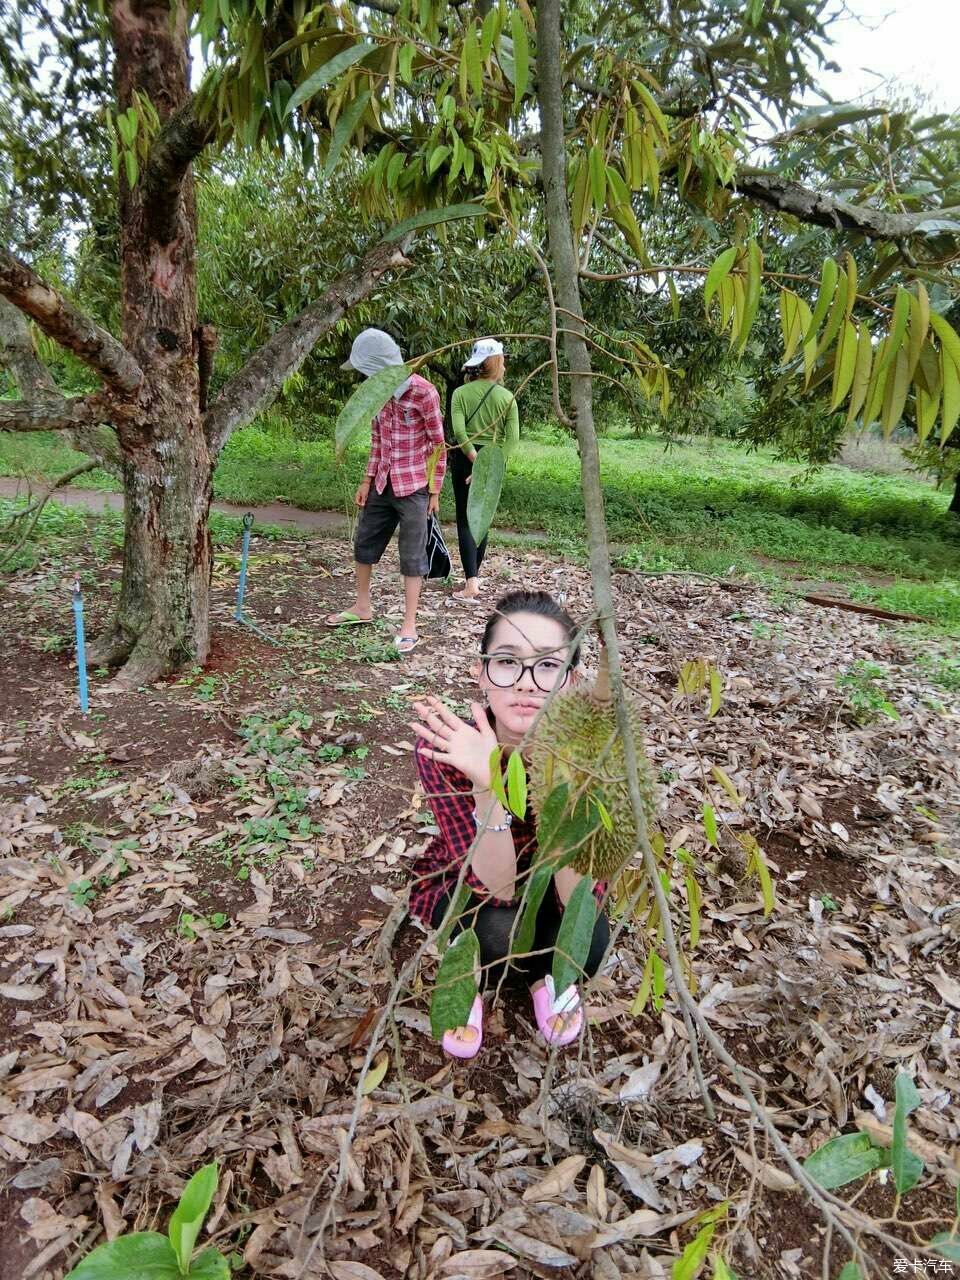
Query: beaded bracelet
point(503, 826)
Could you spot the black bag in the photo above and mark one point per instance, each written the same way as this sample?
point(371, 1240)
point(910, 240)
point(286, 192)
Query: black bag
point(438, 557)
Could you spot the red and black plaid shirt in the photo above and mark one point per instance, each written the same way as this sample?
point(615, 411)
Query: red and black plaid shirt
point(437, 870)
point(405, 433)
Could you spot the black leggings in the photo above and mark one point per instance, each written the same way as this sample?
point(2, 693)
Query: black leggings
point(493, 926)
point(471, 556)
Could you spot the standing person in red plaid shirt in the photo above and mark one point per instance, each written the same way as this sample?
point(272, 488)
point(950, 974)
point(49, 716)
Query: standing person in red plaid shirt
point(398, 488)
point(529, 649)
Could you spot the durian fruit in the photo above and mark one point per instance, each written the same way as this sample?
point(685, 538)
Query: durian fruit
point(577, 741)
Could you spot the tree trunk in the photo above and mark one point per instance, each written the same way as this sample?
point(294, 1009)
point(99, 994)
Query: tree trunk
point(163, 615)
point(162, 618)
point(955, 500)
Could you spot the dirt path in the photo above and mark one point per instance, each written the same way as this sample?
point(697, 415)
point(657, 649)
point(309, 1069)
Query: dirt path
point(98, 500)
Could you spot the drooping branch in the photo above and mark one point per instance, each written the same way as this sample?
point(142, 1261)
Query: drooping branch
point(824, 210)
point(57, 317)
point(255, 386)
point(53, 414)
point(182, 138)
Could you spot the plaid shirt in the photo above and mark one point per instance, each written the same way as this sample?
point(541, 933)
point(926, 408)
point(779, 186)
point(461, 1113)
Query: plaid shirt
point(405, 434)
point(437, 870)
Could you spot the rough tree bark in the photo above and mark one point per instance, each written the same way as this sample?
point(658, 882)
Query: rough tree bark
point(166, 440)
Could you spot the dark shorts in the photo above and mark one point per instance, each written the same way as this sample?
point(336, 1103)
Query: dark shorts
point(378, 520)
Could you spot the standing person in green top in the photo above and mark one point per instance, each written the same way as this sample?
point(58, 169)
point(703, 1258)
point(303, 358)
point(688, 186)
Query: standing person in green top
point(482, 412)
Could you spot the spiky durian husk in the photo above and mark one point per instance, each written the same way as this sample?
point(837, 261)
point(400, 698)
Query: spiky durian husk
point(577, 741)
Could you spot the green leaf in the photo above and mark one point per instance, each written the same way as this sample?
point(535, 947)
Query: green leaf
point(842, 1160)
point(521, 59)
point(496, 776)
point(850, 1272)
point(844, 364)
point(659, 979)
point(436, 159)
point(210, 1265)
point(693, 906)
point(710, 824)
point(688, 1265)
point(143, 1255)
point(792, 322)
point(754, 282)
point(131, 167)
point(721, 1271)
point(643, 991)
point(861, 372)
point(366, 402)
point(907, 1167)
point(485, 487)
point(946, 1245)
point(950, 376)
point(343, 132)
point(456, 987)
point(895, 392)
point(716, 693)
point(828, 285)
point(574, 935)
point(325, 74)
point(652, 109)
point(190, 1212)
point(578, 827)
point(551, 815)
point(537, 886)
point(453, 913)
point(433, 217)
point(517, 784)
point(598, 178)
point(919, 325)
point(718, 272)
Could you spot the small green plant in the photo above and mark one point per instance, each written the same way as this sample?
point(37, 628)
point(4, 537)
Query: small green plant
point(828, 903)
point(850, 1156)
point(169, 1257)
point(864, 694)
point(83, 892)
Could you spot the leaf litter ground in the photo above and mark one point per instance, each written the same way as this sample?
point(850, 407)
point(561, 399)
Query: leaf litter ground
point(194, 881)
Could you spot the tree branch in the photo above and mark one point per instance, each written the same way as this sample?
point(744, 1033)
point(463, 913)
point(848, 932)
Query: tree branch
point(17, 353)
point(256, 385)
point(53, 414)
point(823, 210)
point(60, 319)
point(182, 138)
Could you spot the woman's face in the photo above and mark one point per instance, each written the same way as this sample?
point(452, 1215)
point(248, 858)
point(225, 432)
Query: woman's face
point(514, 695)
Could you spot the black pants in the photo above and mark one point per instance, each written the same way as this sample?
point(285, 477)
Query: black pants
point(471, 556)
point(493, 926)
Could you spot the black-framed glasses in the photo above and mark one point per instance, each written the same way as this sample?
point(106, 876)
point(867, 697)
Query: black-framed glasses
point(505, 670)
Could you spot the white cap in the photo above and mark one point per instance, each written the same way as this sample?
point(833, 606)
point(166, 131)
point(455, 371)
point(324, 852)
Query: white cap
point(483, 349)
point(372, 350)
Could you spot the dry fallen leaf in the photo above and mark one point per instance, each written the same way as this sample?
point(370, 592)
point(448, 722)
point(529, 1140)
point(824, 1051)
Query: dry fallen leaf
point(767, 1175)
point(557, 1180)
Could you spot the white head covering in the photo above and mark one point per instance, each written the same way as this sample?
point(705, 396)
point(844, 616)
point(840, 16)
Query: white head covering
point(483, 349)
point(372, 351)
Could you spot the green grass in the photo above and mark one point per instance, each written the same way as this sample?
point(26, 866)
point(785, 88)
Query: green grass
point(707, 506)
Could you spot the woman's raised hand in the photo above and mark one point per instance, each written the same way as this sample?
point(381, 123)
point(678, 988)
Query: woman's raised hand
point(453, 741)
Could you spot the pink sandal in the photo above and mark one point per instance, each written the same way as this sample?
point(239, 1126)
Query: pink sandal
point(475, 1021)
point(547, 1005)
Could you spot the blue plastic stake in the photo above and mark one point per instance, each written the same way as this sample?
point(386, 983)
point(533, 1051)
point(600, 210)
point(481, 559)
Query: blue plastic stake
point(81, 648)
point(238, 614)
point(247, 526)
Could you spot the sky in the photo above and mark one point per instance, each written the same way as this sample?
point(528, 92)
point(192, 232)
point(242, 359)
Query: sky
point(913, 42)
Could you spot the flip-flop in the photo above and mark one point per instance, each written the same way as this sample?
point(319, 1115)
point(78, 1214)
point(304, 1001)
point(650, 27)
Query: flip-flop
point(346, 619)
point(458, 595)
point(406, 644)
point(547, 1005)
point(455, 1050)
